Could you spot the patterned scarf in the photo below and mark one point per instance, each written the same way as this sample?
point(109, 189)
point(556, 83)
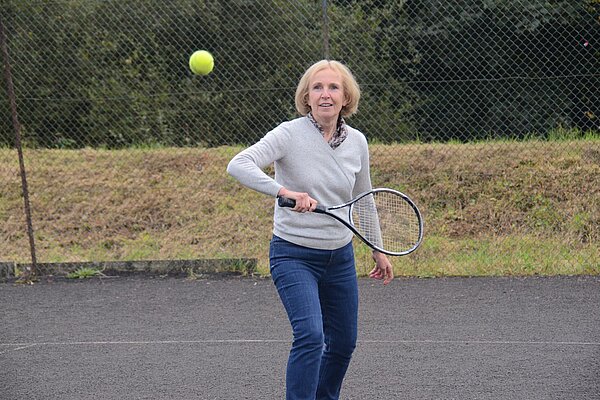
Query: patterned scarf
point(339, 135)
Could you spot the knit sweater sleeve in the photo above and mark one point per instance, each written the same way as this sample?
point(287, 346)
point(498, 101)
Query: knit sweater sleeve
point(248, 165)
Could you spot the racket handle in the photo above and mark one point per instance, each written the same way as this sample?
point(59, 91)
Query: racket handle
point(285, 202)
point(291, 203)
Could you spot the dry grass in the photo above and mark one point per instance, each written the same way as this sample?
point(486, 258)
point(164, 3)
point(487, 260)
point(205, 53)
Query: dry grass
point(469, 190)
point(496, 208)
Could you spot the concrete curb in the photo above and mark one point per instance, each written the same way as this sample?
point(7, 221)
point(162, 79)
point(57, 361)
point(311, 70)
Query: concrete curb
point(245, 266)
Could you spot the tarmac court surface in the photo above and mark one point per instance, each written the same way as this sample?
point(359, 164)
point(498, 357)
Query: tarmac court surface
point(218, 337)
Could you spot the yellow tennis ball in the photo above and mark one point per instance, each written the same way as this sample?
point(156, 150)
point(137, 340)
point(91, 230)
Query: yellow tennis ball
point(202, 62)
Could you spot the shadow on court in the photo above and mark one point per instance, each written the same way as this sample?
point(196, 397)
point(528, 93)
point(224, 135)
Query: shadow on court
point(227, 338)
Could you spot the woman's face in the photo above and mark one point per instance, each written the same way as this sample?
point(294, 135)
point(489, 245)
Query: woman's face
point(326, 95)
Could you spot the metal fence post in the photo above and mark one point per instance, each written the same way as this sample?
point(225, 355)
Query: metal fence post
point(17, 126)
point(325, 31)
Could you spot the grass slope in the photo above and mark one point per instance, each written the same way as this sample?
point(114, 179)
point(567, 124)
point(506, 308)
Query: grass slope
point(501, 208)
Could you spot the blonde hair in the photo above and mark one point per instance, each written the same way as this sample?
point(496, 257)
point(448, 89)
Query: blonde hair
point(351, 88)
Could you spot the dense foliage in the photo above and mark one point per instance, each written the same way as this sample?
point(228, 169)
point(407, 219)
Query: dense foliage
point(114, 73)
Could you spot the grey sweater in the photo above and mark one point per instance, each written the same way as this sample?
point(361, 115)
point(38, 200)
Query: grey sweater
point(304, 162)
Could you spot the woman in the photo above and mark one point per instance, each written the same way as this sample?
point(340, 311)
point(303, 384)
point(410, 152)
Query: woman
point(317, 158)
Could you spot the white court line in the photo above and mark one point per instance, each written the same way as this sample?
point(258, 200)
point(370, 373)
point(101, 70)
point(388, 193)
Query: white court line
point(23, 346)
point(491, 342)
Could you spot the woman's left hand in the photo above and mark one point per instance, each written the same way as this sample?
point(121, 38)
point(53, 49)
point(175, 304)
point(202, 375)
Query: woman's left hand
point(383, 268)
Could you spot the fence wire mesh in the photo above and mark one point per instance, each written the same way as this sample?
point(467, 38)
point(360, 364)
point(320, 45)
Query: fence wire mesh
point(485, 112)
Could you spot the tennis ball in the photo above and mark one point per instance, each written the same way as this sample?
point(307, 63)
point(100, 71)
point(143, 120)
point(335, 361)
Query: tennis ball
point(201, 62)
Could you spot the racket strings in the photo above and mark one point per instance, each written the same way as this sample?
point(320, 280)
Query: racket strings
point(387, 220)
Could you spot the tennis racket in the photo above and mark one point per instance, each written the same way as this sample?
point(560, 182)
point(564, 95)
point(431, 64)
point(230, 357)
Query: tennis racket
point(385, 219)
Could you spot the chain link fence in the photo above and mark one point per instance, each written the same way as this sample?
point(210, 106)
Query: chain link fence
point(485, 112)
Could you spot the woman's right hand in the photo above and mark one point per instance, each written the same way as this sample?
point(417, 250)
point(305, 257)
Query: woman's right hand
point(304, 202)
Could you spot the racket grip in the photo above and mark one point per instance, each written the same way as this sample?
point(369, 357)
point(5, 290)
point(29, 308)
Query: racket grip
point(285, 202)
point(291, 203)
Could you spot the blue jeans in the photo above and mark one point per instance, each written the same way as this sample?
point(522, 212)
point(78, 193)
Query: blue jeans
point(319, 291)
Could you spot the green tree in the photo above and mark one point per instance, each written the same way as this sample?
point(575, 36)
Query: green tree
point(500, 68)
